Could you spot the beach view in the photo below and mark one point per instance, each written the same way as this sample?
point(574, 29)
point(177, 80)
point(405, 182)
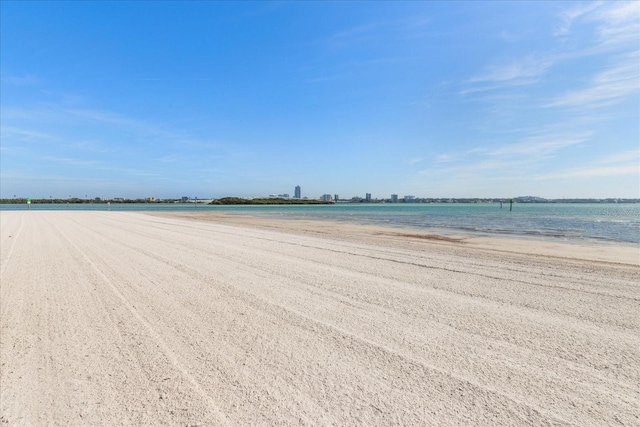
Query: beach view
point(319, 213)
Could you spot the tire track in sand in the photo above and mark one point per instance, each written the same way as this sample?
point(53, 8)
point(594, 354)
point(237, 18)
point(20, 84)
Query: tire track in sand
point(366, 348)
point(215, 410)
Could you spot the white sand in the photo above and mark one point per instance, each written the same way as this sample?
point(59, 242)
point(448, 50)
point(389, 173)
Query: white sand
point(115, 318)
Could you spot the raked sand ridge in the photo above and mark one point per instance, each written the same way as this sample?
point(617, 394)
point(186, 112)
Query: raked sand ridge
point(121, 318)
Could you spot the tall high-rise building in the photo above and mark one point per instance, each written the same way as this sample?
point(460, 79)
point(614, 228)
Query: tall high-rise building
point(394, 198)
point(367, 197)
point(297, 193)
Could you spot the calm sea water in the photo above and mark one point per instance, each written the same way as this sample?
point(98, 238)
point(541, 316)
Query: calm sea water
point(569, 222)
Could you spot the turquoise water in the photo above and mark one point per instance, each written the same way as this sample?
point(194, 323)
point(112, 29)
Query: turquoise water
point(596, 222)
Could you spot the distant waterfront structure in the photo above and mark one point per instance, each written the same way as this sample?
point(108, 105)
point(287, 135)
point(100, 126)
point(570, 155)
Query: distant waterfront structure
point(367, 197)
point(394, 198)
point(409, 199)
point(326, 197)
point(297, 193)
point(336, 198)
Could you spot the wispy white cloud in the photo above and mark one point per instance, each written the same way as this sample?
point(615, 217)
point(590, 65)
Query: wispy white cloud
point(17, 114)
point(144, 173)
point(625, 163)
point(106, 143)
point(593, 172)
point(461, 157)
point(22, 80)
point(540, 145)
point(90, 145)
point(521, 71)
point(479, 170)
point(18, 136)
point(415, 160)
point(507, 162)
point(618, 22)
point(392, 31)
point(171, 158)
point(30, 122)
point(444, 158)
point(328, 78)
point(70, 161)
point(620, 80)
point(532, 148)
point(601, 38)
point(155, 130)
point(120, 121)
point(30, 134)
point(569, 16)
point(509, 36)
point(354, 35)
point(617, 26)
point(625, 156)
point(352, 67)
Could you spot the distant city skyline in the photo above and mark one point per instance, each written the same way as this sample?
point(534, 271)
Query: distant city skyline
point(212, 99)
point(325, 198)
point(363, 196)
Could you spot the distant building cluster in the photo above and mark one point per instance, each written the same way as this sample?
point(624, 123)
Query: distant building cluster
point(335, 198)
point(368, 198)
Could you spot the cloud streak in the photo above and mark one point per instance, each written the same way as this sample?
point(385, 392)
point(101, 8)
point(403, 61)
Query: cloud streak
point(23, 80)
point(29, 134)
point(618, 23)
point(617, 27)
point(593, 172)
point(570, 16)
point(522, 71)
point(70, 161)
point(540, 145)
point(609, 87)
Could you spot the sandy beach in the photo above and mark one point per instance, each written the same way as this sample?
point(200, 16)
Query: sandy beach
point(125, 318)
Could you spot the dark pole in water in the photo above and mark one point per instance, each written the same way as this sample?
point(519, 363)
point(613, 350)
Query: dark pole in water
point(500, 204)
point(510, 205)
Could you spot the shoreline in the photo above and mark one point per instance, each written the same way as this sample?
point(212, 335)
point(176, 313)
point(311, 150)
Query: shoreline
point(593, 227)
point(589, 250)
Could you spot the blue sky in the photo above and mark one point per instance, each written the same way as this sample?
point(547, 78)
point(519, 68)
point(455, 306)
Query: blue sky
point(209, 99)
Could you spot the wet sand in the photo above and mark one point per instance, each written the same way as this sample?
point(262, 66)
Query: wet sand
point(124, 318)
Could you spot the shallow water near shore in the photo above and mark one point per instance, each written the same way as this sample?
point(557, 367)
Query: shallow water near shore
point(596, 222)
